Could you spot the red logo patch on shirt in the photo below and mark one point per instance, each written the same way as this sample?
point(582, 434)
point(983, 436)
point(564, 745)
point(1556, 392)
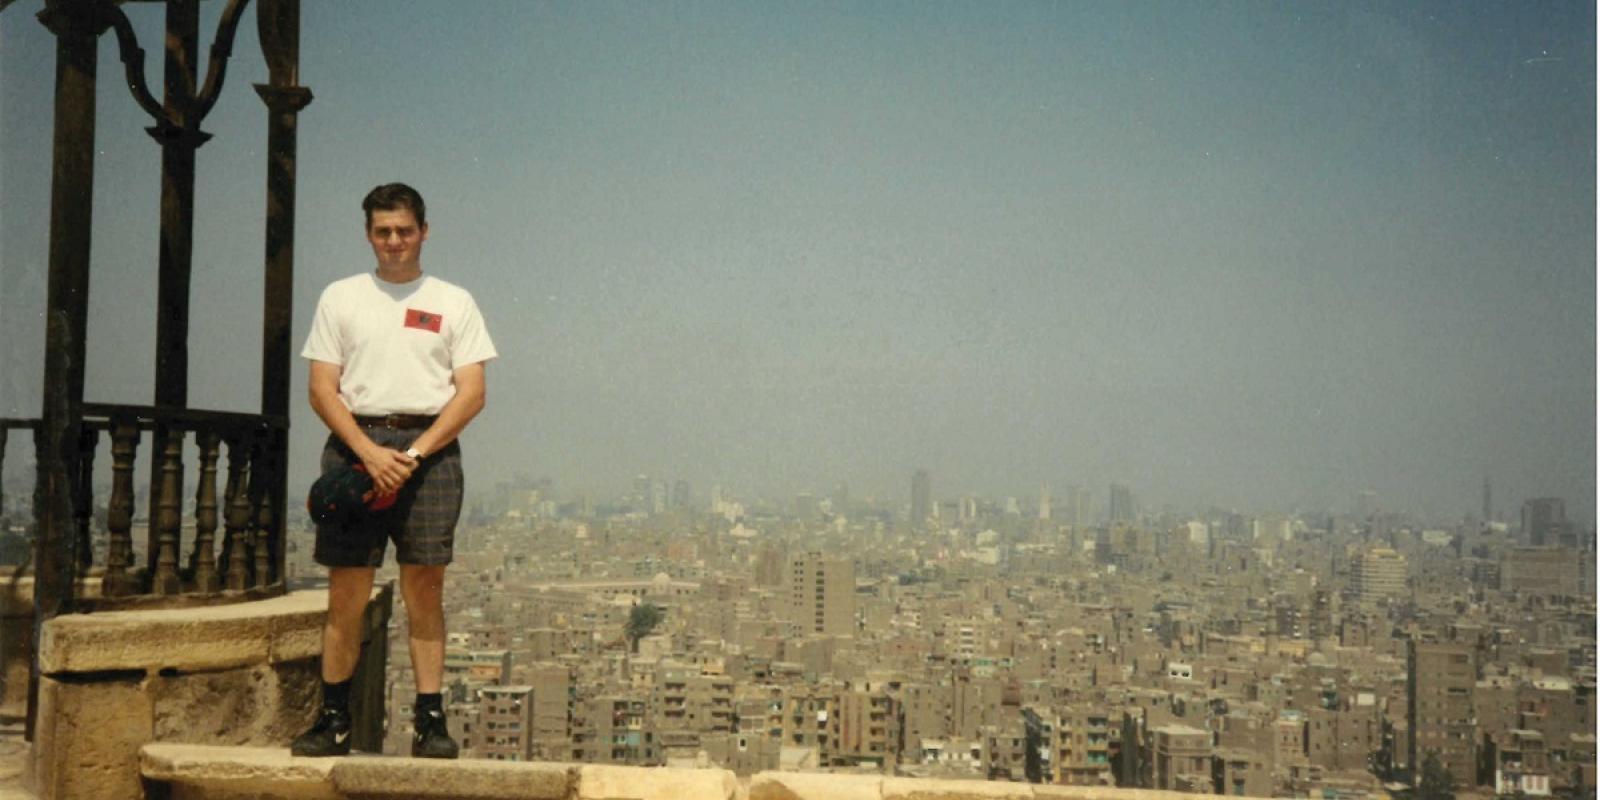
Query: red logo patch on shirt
point(425, 320)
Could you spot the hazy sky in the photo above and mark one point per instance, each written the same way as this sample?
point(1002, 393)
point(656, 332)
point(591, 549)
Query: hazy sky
point(1259, 255)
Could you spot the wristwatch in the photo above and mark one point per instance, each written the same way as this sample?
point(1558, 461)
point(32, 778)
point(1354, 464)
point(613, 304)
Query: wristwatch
point(414, 454)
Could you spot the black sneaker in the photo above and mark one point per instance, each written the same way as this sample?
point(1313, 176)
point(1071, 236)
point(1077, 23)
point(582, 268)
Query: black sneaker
point(432, 737)
point(330, 736)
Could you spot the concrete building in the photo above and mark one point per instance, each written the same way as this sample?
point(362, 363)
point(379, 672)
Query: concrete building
point(1440, 678)
point(612, 729)
point(1550, 572)
point(1005, 751)
point(1544, 521)
point(1180, 759)
point(505, 723)
point(822, 595)
point(1122, 509)
point(475, 668)
point(685, 698)
point(807, 712)
point(925, 714)
point(921, 498)
point(1380, 576)
point(1080, 749)
point(551, 702)
point(1520, 763)
point(1238, 771)
point(867, 727)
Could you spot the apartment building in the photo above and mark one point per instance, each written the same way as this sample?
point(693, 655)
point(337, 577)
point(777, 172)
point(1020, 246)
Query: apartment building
point(821, 594)
point(613, 729)
point(551, 702)
point(1520, 762)
point(1380, 576)
point(867, 727)
point(1080, 750)
point(505, 723)
point(1180, 758)
point(1440, 677)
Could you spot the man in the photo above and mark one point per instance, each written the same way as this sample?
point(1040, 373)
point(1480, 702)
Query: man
point(397, 371)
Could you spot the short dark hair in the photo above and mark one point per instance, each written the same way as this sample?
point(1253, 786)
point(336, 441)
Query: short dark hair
point(393, 197)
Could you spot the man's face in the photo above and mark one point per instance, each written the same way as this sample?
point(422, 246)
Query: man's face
point(396, 237)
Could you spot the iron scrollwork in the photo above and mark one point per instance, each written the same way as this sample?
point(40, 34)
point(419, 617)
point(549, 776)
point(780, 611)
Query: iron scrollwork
point(216, 69)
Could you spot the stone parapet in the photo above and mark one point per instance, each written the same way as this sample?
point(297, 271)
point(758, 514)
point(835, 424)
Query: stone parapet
point(244, 674)
point(287, 628)
point(200, 772)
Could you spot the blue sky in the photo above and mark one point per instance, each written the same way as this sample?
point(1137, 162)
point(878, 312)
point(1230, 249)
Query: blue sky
point(1264, 256)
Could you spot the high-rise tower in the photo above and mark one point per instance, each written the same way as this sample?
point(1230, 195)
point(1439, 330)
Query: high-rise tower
point(921, 497)
point(1544, 520)
point(1121, 503)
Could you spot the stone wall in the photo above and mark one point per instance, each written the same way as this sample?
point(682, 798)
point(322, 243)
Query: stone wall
point(16, 643)
point(190, 772)
point(241, 674)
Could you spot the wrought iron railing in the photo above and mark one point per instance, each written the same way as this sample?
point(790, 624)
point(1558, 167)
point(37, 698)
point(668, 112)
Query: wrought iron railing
point(242, 495)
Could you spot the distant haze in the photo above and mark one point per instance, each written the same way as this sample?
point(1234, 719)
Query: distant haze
point(1264, 256)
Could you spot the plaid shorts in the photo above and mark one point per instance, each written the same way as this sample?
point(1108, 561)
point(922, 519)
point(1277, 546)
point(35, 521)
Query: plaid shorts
point(422, 521)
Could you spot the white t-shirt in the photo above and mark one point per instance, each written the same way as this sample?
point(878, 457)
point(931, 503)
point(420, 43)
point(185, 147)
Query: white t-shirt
point(397, 344)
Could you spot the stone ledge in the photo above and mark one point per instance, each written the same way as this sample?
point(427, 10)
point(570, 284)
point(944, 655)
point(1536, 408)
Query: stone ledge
point(924, 789)
point(457, 780)
point(213, 637)
point(604, 782)
point(809, 785)
point(1106, 793)
point(212, 773)
point(209, 769)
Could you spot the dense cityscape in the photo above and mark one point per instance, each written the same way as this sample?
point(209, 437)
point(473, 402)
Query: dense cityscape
point(1045, 638)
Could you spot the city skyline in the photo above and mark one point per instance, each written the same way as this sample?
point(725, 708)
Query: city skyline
point(1236, 657)
point(1265, 258)
point(1541, 520)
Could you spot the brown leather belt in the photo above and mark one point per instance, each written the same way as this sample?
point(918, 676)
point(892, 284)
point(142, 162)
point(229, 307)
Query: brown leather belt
point(397, 421)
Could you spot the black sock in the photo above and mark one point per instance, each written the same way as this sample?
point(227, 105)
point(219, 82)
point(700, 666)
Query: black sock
point(336, 696)
point(433, 701)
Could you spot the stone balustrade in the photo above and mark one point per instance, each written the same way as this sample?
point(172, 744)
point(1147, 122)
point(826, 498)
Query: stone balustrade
point(237, 548)
point(201, 772)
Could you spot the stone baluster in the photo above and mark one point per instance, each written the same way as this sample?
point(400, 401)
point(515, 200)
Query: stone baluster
point(261, 503)
point(168, 520)
point(83, 504)
point(119, 519)
point(236, 517)
point(205, 514)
